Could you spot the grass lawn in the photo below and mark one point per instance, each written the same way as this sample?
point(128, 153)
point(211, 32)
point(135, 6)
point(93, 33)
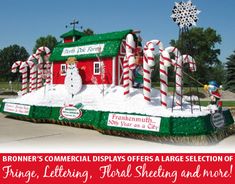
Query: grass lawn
point(225, 103)
point(5, 86)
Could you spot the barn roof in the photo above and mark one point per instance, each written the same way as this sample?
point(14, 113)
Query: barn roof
point(109, 42)
point(72, 33)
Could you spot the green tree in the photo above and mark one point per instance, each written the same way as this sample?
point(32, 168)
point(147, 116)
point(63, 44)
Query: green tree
point(88, 31)
point(7, 57)
point(230, 73)
point(201, 44)
point(48, 41)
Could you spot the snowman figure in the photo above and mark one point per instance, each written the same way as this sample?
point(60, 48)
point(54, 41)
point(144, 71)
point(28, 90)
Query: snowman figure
point(73, 81)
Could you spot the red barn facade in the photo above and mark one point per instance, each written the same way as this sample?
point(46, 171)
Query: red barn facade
point(91, 51)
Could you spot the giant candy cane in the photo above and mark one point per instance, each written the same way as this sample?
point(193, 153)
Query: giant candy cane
point(41, 50)
point(15, 66)
point(23, 70)
point(148, 63)
point(40, 72)
point(179, 73)
point(47, 71)
point(165, 62)
point(13, 69)
point(33, 75)
point(189, 59)
point(128, 63)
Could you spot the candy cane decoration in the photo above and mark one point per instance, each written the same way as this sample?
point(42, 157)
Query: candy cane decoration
point(47, 71)
point(15, 66)
point(126, 76)
point(41, 50)
point(33, 74)
point(179, 73)
point(189, 59)
point(39, 72)
point(149, 62)
point(23, 70)
point(128, 63)
point(165, 62)
point(13, 70)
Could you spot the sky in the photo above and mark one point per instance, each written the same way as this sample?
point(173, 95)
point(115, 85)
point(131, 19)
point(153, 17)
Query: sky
point(24, 21)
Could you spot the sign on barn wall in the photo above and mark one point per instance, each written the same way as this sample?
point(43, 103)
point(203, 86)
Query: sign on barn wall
point(81, 50)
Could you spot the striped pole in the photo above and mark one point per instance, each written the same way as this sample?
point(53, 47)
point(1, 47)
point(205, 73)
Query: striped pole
point(23, 70)
point(48, 72)
point(39, 72)
point(165, 62)
point(128, 63)
point(148, 63)
point(126, 76)
point(179, 73)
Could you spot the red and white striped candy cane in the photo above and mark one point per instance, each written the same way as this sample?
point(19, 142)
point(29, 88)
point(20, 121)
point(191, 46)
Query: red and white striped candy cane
point(13, 69)
point(165, 62)
point(128, 63)
point(40, 72)
point(126, 76)
point(15, 66)
point(47, 70)
point(189, 59)
point(33, 72)
point(33, 75)
point(23, 70)
point(41, 50)
point(179, 73)
point(148, 63)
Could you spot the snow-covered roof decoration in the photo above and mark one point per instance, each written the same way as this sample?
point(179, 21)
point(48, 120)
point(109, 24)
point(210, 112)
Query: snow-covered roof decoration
point(111, 42)
point(185, 14)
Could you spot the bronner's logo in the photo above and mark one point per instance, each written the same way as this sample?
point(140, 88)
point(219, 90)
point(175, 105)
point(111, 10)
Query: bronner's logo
point(217, 120)
point(71, 112)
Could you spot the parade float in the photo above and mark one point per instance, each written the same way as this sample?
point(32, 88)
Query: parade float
point(87, 81)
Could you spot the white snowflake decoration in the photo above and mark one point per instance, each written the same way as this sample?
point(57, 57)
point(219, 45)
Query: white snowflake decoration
point(185, 14)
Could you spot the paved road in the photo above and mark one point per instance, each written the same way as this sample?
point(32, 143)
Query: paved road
point(22, 136)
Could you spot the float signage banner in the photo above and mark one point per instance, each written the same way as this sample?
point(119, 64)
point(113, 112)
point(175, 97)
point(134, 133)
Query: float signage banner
point(82, 50)
point(134, 122)
point(17, 108)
